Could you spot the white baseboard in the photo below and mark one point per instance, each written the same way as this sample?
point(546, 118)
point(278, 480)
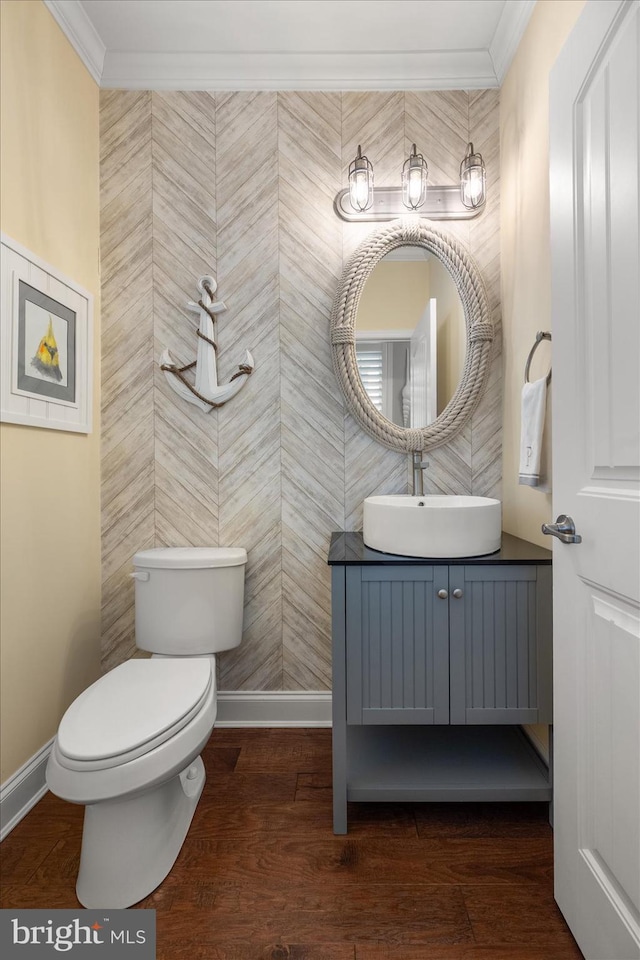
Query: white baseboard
point(22, 791)
point(273, 708)
point(236, 708)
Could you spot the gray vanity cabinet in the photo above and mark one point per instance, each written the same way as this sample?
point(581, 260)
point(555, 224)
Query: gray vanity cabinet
point(397, 645)
point(448, 645)
point(500, 644)
point(436, 664)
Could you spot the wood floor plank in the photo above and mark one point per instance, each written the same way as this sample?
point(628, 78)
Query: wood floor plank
point(304, 757)
point(342, 861)
point(483, 820)
point(171, 950)
point(401, 913)
point(61, 864)
point(314, 786)
point(21, 858)
point(465, 951)
point(381, 820)
point(254, 787)
point(223, 816)
point(261, 738)
point(220, 759)
point(60, 896)
point(278, 750)
point(509, 914)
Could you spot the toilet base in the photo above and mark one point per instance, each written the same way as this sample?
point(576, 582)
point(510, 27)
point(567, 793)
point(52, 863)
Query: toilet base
point(129, 846)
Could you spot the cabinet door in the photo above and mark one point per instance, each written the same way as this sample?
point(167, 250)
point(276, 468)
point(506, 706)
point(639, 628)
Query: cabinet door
point(397, 645)
point(500, 644)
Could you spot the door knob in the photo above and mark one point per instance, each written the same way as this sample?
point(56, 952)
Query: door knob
point(443, 594)
point(457, 593)
point(564, 529)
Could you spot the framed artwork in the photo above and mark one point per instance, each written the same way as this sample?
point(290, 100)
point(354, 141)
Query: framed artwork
point(46, 336)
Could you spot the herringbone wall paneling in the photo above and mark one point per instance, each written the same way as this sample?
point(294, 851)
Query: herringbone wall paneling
point(184, 248)
point(127, 465)
point(312, 432)
point(250, 426)
point(241, 186)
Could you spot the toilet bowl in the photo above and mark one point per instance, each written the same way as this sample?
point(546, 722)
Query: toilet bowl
point(129, 746)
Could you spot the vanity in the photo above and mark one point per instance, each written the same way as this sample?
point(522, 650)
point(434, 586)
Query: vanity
point(442, 633)
point(436, 665)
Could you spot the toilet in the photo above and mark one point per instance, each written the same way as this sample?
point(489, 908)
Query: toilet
point(129, 746)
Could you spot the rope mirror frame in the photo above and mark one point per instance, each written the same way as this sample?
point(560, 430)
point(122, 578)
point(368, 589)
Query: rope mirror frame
point(479, 335)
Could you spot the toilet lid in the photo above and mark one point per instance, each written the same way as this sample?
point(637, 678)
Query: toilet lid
point(136, 702)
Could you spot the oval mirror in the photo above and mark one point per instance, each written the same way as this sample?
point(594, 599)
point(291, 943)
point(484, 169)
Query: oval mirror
point(411, 336)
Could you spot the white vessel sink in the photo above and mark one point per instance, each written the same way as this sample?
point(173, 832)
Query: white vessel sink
point(432, 526)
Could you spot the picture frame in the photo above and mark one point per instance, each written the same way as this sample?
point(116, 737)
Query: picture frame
point(46, 342)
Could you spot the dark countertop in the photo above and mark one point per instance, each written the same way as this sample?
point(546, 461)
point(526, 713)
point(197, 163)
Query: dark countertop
point(347, 548)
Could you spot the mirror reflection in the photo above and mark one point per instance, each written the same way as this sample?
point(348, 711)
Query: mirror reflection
point(410, 337)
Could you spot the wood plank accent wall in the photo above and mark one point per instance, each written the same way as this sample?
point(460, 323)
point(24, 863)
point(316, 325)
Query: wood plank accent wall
point(241, 186)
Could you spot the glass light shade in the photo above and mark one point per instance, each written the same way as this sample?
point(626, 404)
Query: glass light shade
point(414, 180)
point(473, 185)
point(361, 182)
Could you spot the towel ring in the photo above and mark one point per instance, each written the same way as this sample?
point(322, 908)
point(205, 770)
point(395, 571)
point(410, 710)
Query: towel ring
point(540, 336)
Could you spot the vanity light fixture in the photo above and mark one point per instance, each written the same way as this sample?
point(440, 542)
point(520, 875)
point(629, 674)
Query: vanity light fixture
point(473, 181)
point(360, 202)
point(414, 180)
point(361, 182)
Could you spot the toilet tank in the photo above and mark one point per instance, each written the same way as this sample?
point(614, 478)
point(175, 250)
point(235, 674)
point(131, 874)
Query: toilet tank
point(189, 600)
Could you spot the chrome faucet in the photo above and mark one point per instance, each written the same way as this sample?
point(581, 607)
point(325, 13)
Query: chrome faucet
point(418, 466)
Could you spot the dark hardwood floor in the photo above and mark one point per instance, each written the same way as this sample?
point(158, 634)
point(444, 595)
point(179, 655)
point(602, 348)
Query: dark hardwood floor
point(262, 877)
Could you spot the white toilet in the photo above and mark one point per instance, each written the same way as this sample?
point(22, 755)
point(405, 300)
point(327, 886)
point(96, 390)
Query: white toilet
point(129, 746)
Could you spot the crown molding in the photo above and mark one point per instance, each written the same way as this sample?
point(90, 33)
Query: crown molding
point(72, 19)
point(413, 70)
point(419, 70)
point(511, 26)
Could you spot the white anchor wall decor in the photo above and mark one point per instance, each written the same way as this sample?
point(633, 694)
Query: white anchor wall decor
point(206, 393)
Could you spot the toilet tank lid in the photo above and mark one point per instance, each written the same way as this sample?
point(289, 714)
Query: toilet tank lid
point(190, 558)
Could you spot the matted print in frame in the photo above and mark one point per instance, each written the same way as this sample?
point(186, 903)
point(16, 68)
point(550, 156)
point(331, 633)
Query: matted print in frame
point(46, 335)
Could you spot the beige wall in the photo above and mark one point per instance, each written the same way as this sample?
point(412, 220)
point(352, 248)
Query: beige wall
point(394, 296)
point(525, 251)
point(524, 225)
point(50, 480)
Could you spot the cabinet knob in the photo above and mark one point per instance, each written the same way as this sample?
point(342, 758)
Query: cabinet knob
point(457, 593)
point(443, 594)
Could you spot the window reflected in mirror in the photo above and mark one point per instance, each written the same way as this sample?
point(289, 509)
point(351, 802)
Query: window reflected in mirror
point(410, 337)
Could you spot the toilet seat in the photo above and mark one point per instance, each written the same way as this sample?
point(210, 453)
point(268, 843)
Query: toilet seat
point(131, 710)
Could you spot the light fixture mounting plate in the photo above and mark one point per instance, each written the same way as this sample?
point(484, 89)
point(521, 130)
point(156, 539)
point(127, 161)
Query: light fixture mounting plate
point(442, 203)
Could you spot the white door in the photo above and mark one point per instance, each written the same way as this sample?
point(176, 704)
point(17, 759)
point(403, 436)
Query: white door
point(424, 369)
point(596, 409)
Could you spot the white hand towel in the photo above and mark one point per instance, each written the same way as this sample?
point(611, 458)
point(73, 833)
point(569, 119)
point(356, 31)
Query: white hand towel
point(534, 399)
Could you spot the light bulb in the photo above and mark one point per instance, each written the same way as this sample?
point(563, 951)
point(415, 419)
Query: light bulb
point(360, 182)
point(359, 190)
point(415, 186)
point(414, 180)
point(473, 186)
point(472, 179)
